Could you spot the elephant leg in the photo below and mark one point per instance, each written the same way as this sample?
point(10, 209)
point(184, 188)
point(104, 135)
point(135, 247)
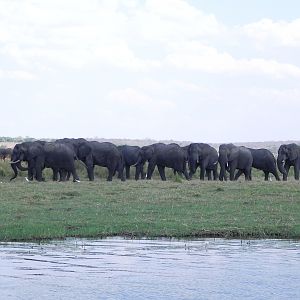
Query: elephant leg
point(266, 175)
point(90, 168)
point(296, 171)
point(161, 171)
point(247, 173)
point(64, 175)
point(202, 172)
point(287, 169)
point(55, 174)
point(68, 175)
point(121, 172)
point(238, 174)
point(222, 175)
point(127, 172)
point(38, 174)
point(151, 168)
point(275, 173)
point(110, 174)
point(208, 172)
point(142, 172)
point(74, 174)
point(215, 174)
point(137, 172)
point(232, 170)
point(31, 173)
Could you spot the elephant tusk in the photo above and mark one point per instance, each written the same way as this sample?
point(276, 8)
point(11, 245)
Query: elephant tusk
point(26, 179)
point(14, 162)
point(76, 180)
point(215, 162)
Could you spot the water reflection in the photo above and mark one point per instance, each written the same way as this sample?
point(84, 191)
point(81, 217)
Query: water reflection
point(150, 269)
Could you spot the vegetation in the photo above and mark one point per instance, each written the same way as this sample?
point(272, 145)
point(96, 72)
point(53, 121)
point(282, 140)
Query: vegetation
point(176, 208)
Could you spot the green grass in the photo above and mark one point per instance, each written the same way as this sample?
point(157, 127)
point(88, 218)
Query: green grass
point(175, 208)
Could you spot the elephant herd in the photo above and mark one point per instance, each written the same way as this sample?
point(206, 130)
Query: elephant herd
point(61, 155)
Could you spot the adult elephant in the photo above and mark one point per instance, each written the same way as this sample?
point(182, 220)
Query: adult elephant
point(162, 156)
point(263, 160)
point(107, 155)
point(288, 156)
point(132, 156)
point(82, 152)
point(204, 156)
point(5, 153)
point(231, 158)
point(40, 155)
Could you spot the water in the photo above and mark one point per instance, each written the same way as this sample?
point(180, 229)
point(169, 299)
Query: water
point(115, 268)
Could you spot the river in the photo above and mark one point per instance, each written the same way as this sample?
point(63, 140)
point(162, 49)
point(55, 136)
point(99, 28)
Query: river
point(117, 268)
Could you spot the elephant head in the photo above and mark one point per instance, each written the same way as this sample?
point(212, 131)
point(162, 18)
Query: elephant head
point(289, 152)
point(147, 153)
point(227, 153)
point(19, 153)
point(194, 155)
point(26, 151)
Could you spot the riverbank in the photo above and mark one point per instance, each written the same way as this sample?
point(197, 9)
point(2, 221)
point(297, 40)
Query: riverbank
point(33, 211)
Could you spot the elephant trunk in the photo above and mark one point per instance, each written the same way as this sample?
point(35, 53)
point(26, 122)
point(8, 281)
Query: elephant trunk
point(14, 167)
point(192, 166)
point(280, 164)
point(139, 161)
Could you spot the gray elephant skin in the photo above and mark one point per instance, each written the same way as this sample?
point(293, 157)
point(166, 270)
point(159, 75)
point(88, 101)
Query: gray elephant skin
point(40, 155)
point(5, 153)
point(232, 158)
point(162, 155)
point(204, 156)
point(82, 152)
point(288, 156)
point(132, 156)
point(263, 160)
point(107, 155)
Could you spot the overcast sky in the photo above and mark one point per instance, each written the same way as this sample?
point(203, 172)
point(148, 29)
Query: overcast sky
point(204, 71)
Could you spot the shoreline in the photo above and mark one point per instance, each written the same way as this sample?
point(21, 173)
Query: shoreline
point(149, 209)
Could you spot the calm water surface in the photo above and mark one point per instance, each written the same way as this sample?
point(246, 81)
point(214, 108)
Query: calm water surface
point(116, 268)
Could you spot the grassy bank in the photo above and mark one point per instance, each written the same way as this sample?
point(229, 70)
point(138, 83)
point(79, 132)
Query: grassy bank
point(149, 208)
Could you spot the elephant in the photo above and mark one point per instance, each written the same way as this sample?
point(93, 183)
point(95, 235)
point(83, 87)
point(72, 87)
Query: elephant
point(264, 160)
point(232, 157)
point(204, 156)
point(107, 155)
point(132, 156)
point(288, 156)
point(162, 156)
point(185, 150)
point(5, 152)
point(40, 155)
point(82, 152)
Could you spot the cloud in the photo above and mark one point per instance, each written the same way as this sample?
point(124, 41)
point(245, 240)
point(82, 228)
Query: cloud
point(196, 56)
point(134, 98)
point(171, 20)
point(280, 33)
point(16, 74)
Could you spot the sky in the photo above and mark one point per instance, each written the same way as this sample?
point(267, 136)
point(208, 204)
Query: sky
point(194, 70)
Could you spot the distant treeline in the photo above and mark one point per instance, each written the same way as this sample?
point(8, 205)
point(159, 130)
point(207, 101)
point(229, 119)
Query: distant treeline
point(18, 139)
point(270, 145)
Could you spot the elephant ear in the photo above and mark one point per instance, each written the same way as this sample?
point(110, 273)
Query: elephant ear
point(293, 152)
point(233, 154)
point(84, 150)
